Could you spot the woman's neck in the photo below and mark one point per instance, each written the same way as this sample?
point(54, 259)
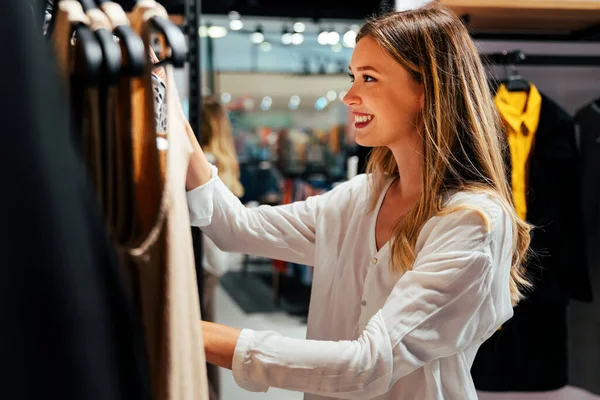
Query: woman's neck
point(409, 159)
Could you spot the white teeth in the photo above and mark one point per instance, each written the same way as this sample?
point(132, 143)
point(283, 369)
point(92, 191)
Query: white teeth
point(362, 118)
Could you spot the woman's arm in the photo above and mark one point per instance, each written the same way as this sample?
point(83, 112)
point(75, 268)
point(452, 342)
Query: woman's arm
point(219, 343)
point(199, 169)
point(455, 296)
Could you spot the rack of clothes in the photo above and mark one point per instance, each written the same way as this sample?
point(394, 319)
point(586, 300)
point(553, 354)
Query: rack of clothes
point(99, 293)
point(552, 157)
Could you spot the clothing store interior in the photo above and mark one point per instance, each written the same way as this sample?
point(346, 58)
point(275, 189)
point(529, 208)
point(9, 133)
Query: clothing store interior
point(104, 279)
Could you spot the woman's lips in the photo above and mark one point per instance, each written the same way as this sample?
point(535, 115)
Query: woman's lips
point(362, 120)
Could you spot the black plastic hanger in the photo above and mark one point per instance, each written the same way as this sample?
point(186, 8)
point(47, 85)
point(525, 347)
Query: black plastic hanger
point(133, 48)
point(88, 54)
point(135, 54)
point(175, 41)
point(111, 51)
point(514, 82)
point(88, 5)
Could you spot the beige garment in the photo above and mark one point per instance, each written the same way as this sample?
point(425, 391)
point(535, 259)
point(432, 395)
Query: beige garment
point(164, 268)
point(167, 281)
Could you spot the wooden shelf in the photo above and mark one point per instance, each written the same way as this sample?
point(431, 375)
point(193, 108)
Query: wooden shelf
point(528, 16)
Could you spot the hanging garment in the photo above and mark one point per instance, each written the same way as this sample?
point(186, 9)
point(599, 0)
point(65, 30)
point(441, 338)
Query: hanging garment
point(68, 327)
point(584, 318)
point(162, 265)
point(122, 209)
point(83, 94)
point(521, 112)
point(529, 353)
point(116, 112)
point(98, 128)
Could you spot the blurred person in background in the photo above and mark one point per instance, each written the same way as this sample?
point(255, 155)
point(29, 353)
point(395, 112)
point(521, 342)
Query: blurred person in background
point(416, 263)
point(219, 148)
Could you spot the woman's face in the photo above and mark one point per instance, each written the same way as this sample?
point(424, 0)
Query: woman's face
point(385, 100)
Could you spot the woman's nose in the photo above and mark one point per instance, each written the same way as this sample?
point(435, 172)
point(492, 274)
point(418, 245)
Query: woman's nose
point(351, 98)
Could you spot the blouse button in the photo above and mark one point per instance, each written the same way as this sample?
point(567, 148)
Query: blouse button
point(374, 260)
point(364, 303)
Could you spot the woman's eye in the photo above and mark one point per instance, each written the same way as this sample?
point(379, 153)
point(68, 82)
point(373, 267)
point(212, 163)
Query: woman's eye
point(366, 78)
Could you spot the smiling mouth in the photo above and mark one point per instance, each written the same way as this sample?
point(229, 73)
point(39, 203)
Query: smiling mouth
point(361, 121)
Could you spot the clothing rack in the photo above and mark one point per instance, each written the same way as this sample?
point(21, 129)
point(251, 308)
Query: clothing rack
point(193, 13)
point(518, 57)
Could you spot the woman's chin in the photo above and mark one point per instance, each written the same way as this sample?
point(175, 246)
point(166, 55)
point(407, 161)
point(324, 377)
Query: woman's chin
point(365, 141)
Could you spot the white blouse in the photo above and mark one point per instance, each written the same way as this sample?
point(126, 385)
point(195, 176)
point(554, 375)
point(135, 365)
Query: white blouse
point(371, 334)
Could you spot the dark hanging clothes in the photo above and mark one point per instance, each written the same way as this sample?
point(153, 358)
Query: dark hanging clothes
point(584, 318)
point(529, 353)
point(68, 328)
point(559, 269)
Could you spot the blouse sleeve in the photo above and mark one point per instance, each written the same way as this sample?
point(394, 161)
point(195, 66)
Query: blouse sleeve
point(445, 304)
point(284, 232)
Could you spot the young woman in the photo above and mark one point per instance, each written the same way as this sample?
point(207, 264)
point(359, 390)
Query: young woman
point(416, 263)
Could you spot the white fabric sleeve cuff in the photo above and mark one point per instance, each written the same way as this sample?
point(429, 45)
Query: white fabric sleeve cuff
point(200, 201)
point(241, 358)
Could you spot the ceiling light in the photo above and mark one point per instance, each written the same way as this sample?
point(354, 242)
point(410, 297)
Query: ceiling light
point(203, 31)
point(323, 38)
point(331, 95)
point(286, 37)
point(266, 47)
point(217, 31)
point(236, 24)
point(266, 103)
point(336, 48)
point(321, 103)
point(342, 94)
point(299, 27)
point(225, 97)
point(257, 36)
point(349, 38)
point(234, 15)
point(333, 37)
point(294, 102)
point(297, 38)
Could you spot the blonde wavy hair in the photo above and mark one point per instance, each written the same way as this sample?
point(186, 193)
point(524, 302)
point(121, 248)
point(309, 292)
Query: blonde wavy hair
point(461, 132)
point(217, 139)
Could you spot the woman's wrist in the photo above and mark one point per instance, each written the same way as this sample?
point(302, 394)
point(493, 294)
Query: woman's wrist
point(219, 343)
